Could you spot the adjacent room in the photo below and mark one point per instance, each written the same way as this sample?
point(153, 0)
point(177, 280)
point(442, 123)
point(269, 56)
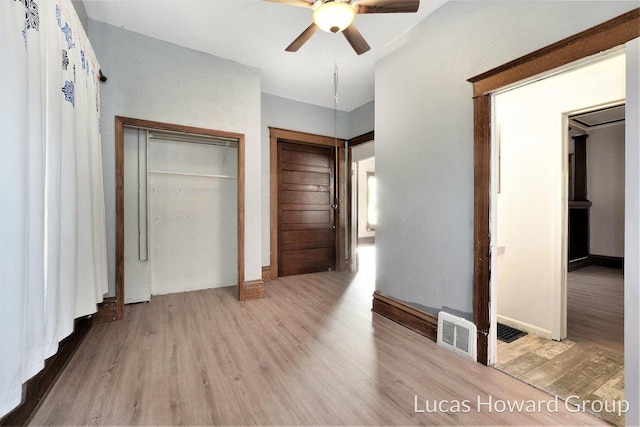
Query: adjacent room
point(319, 212)
point(552, 276)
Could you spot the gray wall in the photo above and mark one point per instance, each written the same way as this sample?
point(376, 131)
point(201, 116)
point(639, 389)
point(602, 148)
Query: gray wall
point(154, 80)
point(287, 114)
point(82, 14)
point(361, 120)
point(424, 137)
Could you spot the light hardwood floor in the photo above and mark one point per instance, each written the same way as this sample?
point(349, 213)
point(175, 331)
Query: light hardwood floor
point(310, 353)
point(590, 363)
point(595, 308)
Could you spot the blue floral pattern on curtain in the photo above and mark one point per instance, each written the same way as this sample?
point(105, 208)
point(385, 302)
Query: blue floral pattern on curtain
point(67, 89)
point(32, 18)
point(53, 266)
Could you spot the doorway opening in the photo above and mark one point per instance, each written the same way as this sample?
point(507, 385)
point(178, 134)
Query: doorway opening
point(363, 218)
point(595, 297)
point(306, 209)
point(114, 309)
point(180, 212)
point(586, 363)
point(323, 179)
point(621, 31)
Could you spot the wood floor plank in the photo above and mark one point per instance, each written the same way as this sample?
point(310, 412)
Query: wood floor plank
point(310, 353)
point(595, 307)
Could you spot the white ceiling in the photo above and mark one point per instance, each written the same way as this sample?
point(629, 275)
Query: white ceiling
point(599, 118)
point(256, 32)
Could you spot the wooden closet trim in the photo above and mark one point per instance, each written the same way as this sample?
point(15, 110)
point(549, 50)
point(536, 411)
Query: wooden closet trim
point(120, 123)
point(277, 134)
point(610, 34)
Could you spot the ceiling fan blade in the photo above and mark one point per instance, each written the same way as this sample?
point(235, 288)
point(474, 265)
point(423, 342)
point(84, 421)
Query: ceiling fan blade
point(386, 6)
point(300, 3)
point(302, 38)
point(355, 39)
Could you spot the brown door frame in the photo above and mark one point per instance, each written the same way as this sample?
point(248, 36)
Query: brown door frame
point(605, 36)
point(120, 123)
point(285, 135)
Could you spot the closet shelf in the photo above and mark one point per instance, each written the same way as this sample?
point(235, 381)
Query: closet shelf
point(201, 175)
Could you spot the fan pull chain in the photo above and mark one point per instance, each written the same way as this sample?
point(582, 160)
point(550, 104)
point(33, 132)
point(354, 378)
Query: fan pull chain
point(335, 136)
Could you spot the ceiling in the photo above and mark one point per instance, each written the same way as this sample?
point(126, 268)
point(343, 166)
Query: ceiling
point(256, 32)
point(599, 118)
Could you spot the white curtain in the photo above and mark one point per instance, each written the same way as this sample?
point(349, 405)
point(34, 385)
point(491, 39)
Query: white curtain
point(52, 218)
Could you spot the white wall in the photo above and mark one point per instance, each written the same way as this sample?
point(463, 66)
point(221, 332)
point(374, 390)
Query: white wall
point(531, 203)
point(193, 219)
point(363, 151)
point(287, 114)
point(153, 80)
point(632, 241)
point(605, 189)
point(424, 136)
point(364, 168)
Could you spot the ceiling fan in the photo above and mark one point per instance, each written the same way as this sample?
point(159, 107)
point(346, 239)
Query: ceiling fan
point(336, 16)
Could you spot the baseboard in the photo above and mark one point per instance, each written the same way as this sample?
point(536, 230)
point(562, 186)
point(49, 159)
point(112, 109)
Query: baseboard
point(578, 264)
point(37, 388)
point(600, 260)
point(369, 240)
point(253, 289)
point(523, 326)
point(406, 315)
point(107, 311)
point(266, 273)
point(607, 261)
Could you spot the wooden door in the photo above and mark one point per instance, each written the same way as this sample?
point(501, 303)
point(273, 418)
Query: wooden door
point(306, 218)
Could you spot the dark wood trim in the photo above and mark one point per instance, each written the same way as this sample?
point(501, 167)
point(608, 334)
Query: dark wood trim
point(599, 260)
point(578, 264)
point(107, 311)
point(266, 273)
point(304, 137)
point(580, 204)
point(352, 195)
point(283, 135)
point(119, 147)
point(608, 35)
point(361, 139)
point(580, 168)
point(607, 261)
point(406, 315)
point(37, 388)
point(612, 33)
point(481, 238)
point(253, 289)
point(342, 264)
point(273, 185)
point(120, 123)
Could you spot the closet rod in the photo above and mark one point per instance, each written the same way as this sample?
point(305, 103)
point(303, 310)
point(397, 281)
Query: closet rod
point(202, 175)
point(191, 137)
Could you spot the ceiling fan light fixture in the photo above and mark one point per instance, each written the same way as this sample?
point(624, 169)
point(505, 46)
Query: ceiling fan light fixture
point(334, 16)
